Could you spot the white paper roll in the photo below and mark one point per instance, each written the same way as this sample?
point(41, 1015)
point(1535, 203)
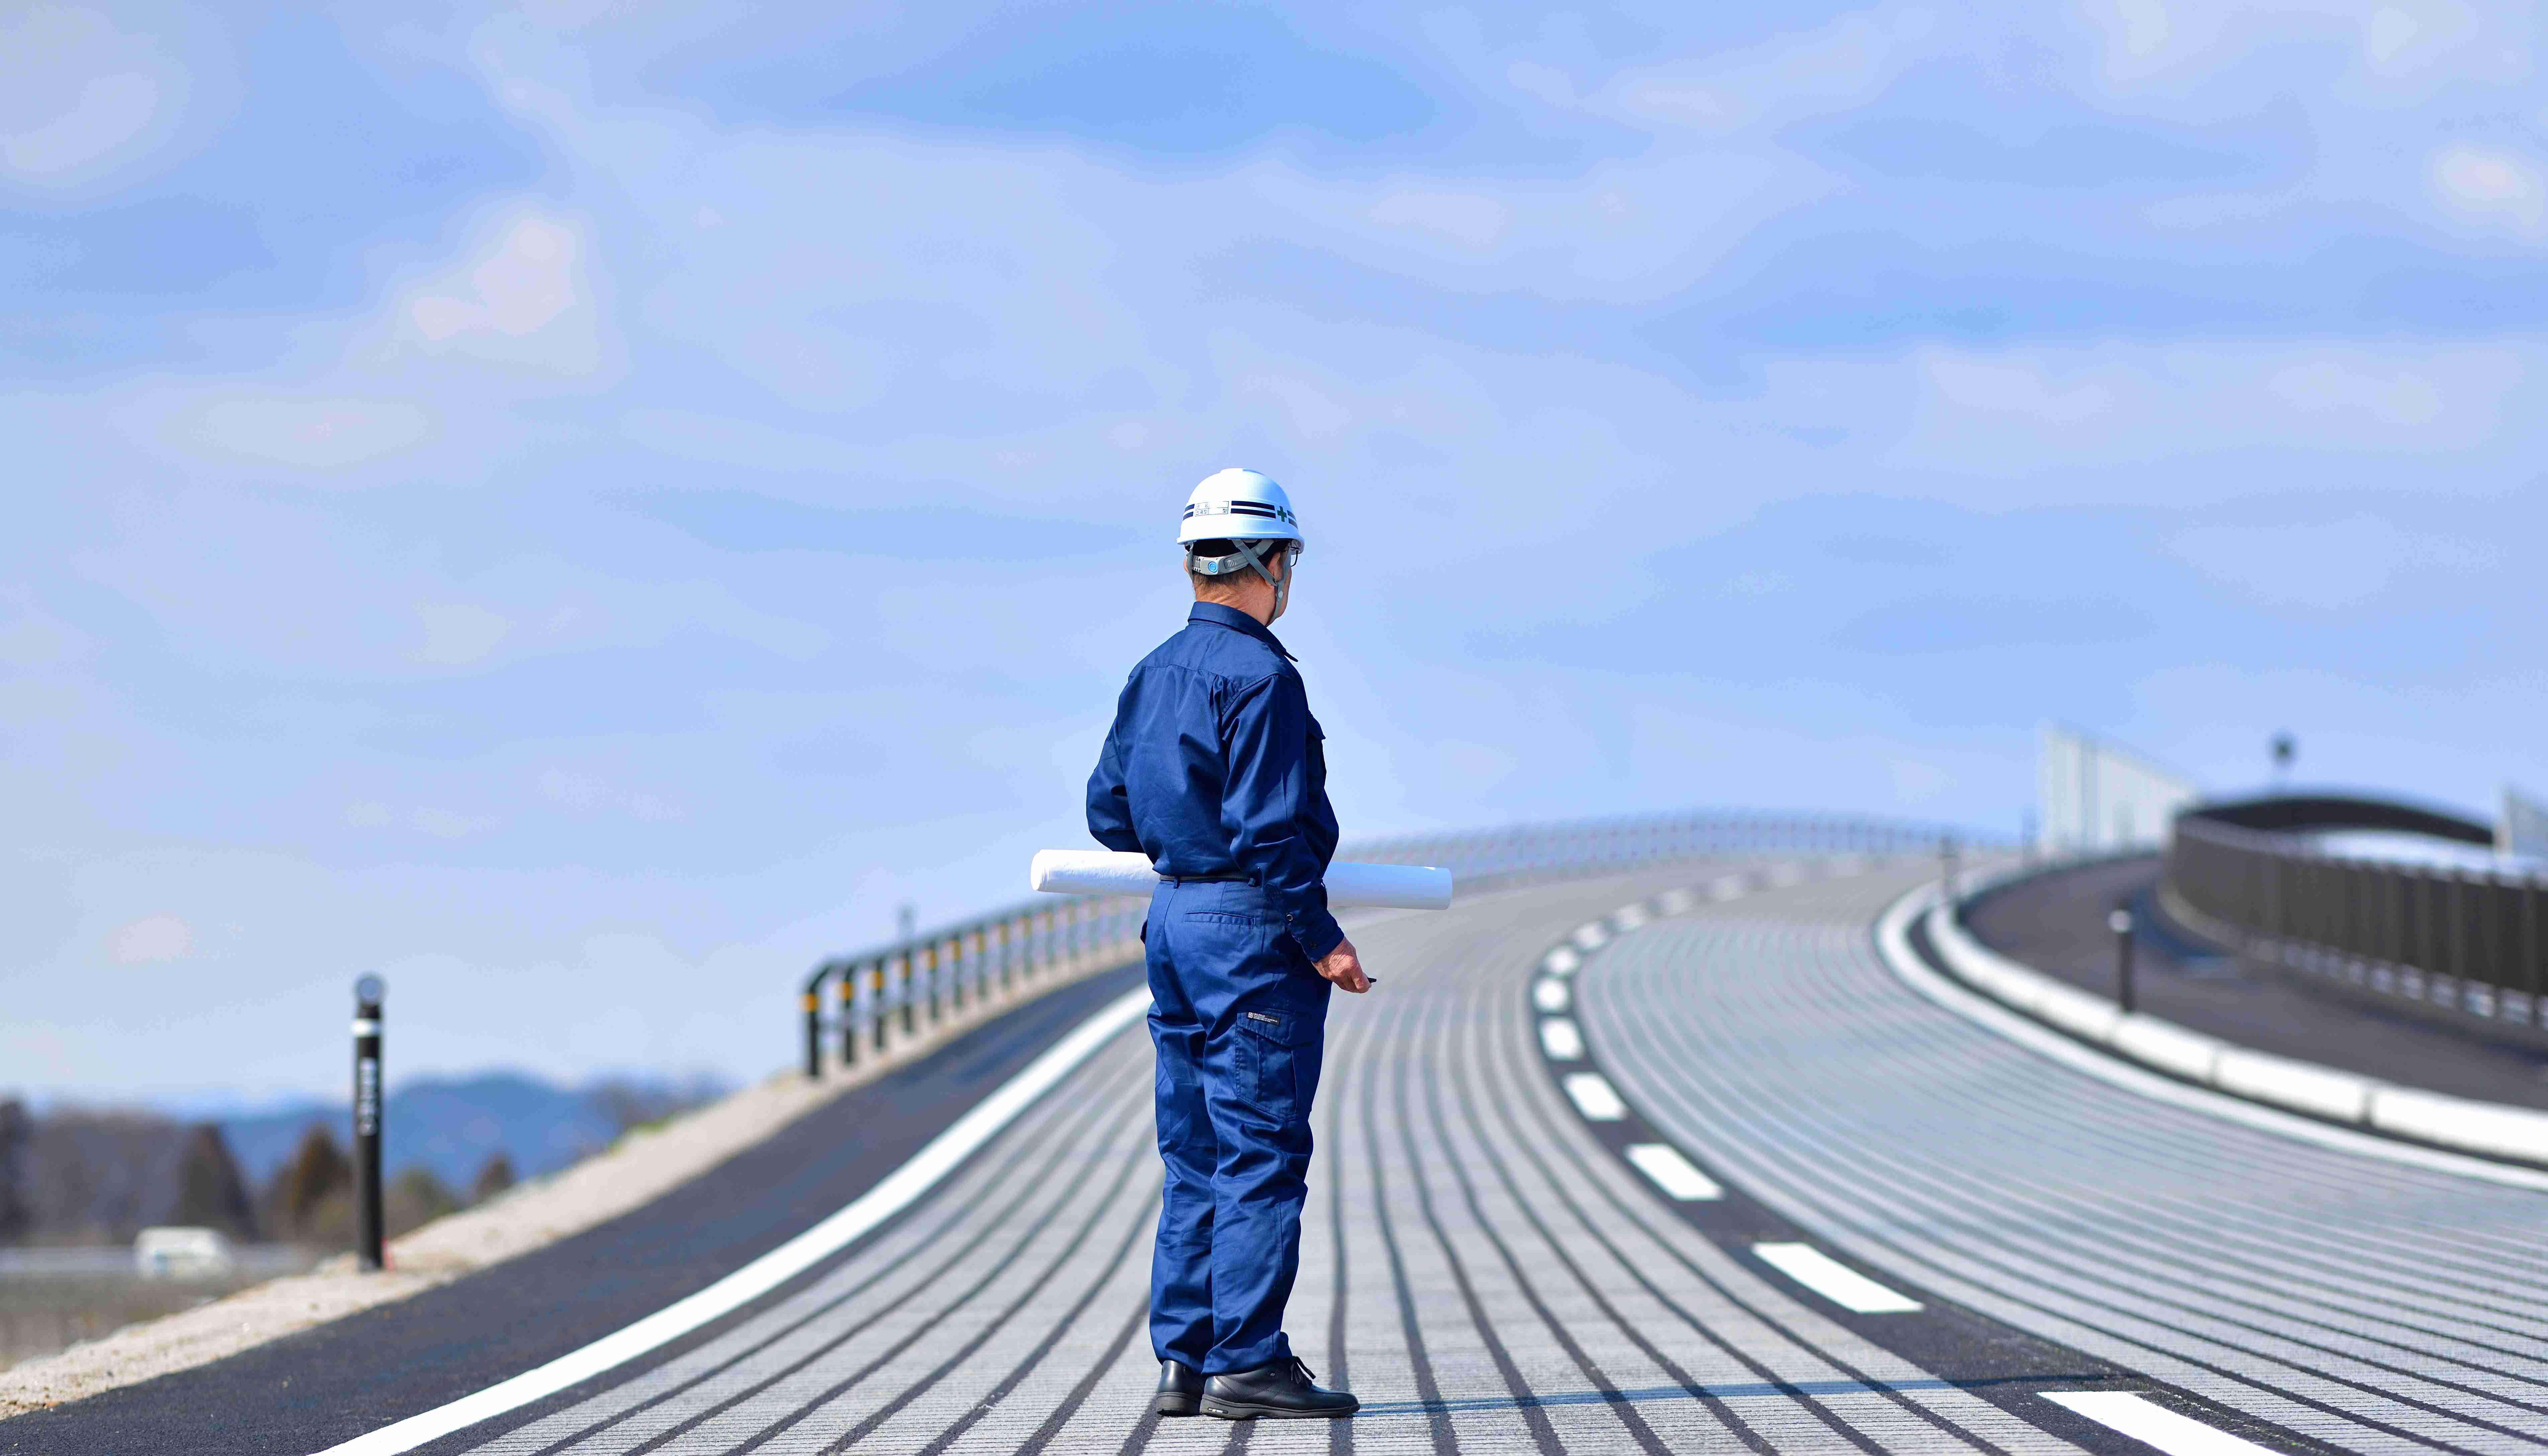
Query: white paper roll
point(1350, 886)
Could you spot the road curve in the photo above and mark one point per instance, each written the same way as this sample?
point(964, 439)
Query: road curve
point(1893, 1231)
point(2372, 1305)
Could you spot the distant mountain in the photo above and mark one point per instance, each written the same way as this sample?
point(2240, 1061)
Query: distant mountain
point(449, 1125)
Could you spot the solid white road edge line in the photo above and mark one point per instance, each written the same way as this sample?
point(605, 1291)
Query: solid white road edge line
point(1675, 1174)
point(1894, 944)
point(1595, 1097)
point(1834, 1280)
point(944, 1154)
point(2154, 1424)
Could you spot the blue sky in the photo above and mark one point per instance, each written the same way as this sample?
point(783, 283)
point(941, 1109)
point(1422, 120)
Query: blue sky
point(584, 512)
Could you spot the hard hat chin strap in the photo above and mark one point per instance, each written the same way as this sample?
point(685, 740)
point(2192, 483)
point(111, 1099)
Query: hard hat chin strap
point(1214, 566)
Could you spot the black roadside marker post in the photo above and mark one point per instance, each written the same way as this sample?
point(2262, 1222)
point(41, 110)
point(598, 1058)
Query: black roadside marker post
point(367, 1121)
point(2120, 921)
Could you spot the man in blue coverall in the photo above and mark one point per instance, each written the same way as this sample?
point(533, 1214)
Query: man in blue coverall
point(1214, 769)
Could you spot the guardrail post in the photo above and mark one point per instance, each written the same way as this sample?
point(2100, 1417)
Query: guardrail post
point(1008, 967)
point(2120, 921)
point(956, 968)
point(850, 1017)
point(929, 960)
point(910, 992)
point(368, 993)
point(875, 1001)
point(814, 1025)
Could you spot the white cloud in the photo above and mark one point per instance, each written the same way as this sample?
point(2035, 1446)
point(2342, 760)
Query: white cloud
point(1822, 72)
point(153, 940)
point(2320, 565)
point(91, 100)
point(528, 293)
point(2021, 411)
point(448, 823)
point(2400, 49)
point(306, 431)
point(458, 632)
point(2489, 187)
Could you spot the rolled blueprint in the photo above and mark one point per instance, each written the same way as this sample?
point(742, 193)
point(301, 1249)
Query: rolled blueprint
point(1350, 886)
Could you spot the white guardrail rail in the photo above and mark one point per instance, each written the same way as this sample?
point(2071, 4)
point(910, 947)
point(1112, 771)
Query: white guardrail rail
point(2462, 1125)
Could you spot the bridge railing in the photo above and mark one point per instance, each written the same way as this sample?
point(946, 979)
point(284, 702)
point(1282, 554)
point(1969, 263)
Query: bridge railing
point(912, 989)
point(2467, 939)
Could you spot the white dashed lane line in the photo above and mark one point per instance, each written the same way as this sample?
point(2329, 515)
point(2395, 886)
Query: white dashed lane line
point(1550, 994)
point(1675, 1174)
point(1561, 962)
point(1560, 1039)
point(1591, 936)
point(2148, 1421)
point(1594, 1097)
point(1832, 1279)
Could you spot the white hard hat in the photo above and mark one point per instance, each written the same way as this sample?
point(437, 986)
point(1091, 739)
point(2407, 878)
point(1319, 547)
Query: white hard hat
point(1238, 505)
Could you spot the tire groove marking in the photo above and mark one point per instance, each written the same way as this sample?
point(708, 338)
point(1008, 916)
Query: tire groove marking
point(1812, 1348)
point(942, 1156)
point(1106, 1128)
point(737, 1345)
point(1626, 1413)
point(1673, 1094)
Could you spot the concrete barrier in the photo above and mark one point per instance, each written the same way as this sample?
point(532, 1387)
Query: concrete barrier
point(2485, 1129)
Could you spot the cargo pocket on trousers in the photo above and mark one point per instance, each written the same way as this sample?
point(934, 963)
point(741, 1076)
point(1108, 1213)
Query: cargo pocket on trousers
point(1278, 1058)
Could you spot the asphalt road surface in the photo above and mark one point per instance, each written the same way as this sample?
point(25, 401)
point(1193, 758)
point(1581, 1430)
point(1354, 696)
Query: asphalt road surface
point(1667, 1161)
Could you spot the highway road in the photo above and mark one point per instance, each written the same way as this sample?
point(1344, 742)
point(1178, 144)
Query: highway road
point(1670, 1160)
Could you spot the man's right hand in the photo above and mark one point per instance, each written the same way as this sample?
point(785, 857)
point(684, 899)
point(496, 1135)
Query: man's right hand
point(1342, 966)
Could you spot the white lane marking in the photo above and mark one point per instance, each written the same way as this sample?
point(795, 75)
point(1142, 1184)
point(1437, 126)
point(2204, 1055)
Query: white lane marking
point(1728, 887)
point(1894, 944)
point(1560, 1038)
point(1834, 1280)
point(1672, 1172)
point(1591, 936)
point(1675, 902)
point(1594, 1097)
point(944, 1154)
point(1628, 918)
point(2148, 1421)
point(1561, 962)
point(1549, 994)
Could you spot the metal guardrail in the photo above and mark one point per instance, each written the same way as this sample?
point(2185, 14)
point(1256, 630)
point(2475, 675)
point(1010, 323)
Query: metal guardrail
point(950, 975)
point(2470, 940)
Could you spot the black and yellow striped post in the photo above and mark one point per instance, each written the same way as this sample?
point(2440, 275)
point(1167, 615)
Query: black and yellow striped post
point(813, 1001)
point(1008, 966)
point(875, 978)
point(847, 995)
point(956, 968)
point(928, 958)
point(910, 992)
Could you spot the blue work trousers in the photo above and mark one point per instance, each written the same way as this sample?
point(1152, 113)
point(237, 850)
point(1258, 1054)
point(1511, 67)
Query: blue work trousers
point(1240, 1020)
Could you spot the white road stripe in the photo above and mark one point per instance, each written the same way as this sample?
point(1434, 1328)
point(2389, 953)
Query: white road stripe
point(1592, 936)
point(1834, 1280)
point(1550, 994)
point(1629, 917)
point(1562, 961)
point(944, 1154)
point(1675, 1174)
point(2148, 1421)
point(1560, 1039)
point(1595, 1098)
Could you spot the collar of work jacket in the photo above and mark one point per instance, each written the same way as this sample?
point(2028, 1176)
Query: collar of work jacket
point(1237, 621)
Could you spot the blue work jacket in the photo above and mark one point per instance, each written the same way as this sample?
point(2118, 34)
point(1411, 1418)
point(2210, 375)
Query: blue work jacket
point(1214, 768)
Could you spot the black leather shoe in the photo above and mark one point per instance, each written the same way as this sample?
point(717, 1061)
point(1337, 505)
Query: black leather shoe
point(1281, 1391)
point(1180, 1388)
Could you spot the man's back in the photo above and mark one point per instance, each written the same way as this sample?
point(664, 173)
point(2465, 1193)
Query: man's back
point(1215, 765)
